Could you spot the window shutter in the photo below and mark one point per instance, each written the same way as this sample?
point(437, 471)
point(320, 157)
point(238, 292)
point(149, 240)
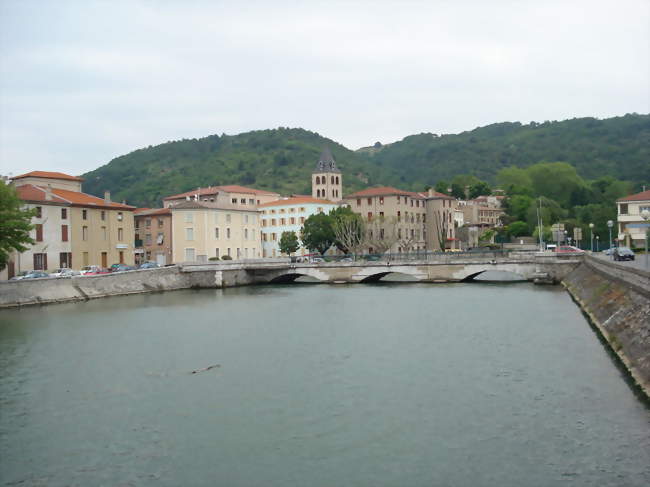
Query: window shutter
point(39, 232)
point(64, 233)
point(44, 262)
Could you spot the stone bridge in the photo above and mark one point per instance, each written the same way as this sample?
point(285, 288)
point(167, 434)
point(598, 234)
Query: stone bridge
point(450, 267)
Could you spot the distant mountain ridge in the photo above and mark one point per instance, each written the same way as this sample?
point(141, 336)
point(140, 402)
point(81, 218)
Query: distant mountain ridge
point(282, 159)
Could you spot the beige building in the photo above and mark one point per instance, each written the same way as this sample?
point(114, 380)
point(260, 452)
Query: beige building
point(100, 232)
point(440, 222)
point(203, 230)
point(231, 195)
point(403, 214)
point(153, 235)
point(326, 179)
point(483, 211)
point(630, 222)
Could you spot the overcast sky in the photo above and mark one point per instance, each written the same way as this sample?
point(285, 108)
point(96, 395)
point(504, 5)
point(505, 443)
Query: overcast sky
point(84, 82)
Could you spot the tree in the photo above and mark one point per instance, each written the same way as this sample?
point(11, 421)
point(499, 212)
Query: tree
point(381, 233)
point(457, 191)
point(15, 224)
point(350, 231)
point(517, 229)
point(317, 233)
point(479, 189)
point(289, 243)
point(442, 187)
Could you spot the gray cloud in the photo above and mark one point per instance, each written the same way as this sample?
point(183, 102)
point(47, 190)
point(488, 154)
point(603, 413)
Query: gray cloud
point(83, 82)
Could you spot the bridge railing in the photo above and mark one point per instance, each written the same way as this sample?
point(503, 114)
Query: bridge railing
point(421, 255)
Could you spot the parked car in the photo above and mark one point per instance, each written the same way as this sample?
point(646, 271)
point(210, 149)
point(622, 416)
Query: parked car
point(97, 271)
point(89, 268)
point(568, 249)
point(20, 276)
point(64, 272)
point(122, 268)
point(149, 265)
point(36, 275)
point(623, 253)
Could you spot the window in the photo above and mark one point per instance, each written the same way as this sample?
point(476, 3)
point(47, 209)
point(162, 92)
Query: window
point(317, 179)
point(623, 209)
point(64, 213)
point(147, 223)
point(64, 233)
point(103, 216)
point(227, 232)
point(189, 217)
point(39, 232)
point(251, 201)
point(243, 201)
point(245, 233)
point(216, 252)
point(398, 200)
point(273, 222)
point(160, 223)
point(263, 223)
point(65, 259)
point(399, 215)
point(381, 214)
point(358, 201)
point(369, 215)
point(104, 233)
point(282, 210)
point(238, 252)
point(147, 239)
point(160, 238)
point(189, 234)
point(137, 224)
point(120, 234)
point(120, 216)
point(40, 262)
point(302, 209)
point(292, 210)
point(245, 218)
point(283, 221)
point(234, 201)
point(302, 219)
point(216, 233)
point(228, 251)
point(274, 237)
point(227, 217)
point(381, 200)
point(272, 211)
point(264, 237)
point(337, 180)
point(84, 234)
point(39, 212)
point(84, 214)
point(189, 255)
point(370, 201)
point(292, 221)
point(411, 202)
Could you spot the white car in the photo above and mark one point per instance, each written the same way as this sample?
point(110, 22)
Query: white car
point(64, 272)
point(89, 268)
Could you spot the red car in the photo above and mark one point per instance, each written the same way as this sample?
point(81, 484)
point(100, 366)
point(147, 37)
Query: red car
point(97, 272)
point(568, 249)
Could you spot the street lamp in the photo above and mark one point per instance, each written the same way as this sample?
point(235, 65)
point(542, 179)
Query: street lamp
point(610, 224)
point(591, 229)
point(645, 214)
point(597, 243)
point(565, 234)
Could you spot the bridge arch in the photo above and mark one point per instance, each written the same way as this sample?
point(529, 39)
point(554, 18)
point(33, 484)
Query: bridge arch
point(511, 276)
point(380, 275)
point(291, 277)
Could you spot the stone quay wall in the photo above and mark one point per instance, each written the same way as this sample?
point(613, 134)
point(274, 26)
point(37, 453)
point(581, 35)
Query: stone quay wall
point(616, 298)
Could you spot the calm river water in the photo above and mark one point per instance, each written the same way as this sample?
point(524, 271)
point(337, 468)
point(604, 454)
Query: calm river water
point(317, 385)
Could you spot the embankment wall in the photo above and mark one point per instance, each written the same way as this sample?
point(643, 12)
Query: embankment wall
point(617, 300)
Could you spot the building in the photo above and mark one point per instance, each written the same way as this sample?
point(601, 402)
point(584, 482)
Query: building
point(153, 235)
point(326, 179)
point(90, 230)
point(393, 216)
point(211, 230)
point(288, 215)
point(440, 221)
point(630, 222)
point(231, 195)
point(482, 211)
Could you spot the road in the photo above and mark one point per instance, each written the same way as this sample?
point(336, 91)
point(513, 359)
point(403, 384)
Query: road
point(639, 261)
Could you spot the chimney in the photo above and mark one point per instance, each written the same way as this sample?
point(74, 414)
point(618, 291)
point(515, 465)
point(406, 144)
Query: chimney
point(48, 192)
point(430, 192)
point(107, 196)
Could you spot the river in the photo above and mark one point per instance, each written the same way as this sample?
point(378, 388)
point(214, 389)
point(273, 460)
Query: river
point(317, 385)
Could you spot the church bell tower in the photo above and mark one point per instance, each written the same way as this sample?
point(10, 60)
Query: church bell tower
point(327, 180)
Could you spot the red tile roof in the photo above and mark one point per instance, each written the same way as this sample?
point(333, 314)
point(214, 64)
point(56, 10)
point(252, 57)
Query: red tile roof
point(216, 189)
point(642, 196)
point(83, 199)
point(152, 211)
point(383, 191)
point(296, 201)
point(48, 174)
point(29, 192)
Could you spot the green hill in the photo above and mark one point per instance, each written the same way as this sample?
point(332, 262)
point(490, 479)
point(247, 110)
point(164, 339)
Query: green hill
point(282, 159)
point(617, 147)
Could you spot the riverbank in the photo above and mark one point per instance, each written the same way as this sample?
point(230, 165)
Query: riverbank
point(617, 301)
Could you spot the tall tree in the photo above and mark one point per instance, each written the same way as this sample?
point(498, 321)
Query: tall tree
point(15, 224)
point(350, 232)
point(317, 233)
point(289, 243)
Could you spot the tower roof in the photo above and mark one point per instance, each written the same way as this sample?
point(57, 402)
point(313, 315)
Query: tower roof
point(326, 162)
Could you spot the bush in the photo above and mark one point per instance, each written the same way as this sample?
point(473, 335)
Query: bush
point(213, 258)
point(226, 257)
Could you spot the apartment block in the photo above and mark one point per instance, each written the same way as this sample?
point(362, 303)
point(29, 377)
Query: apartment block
point(631, 225)
point(153, 235)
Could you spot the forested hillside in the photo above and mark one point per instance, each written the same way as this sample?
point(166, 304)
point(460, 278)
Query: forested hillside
point(282, 159)
point(618, 147)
